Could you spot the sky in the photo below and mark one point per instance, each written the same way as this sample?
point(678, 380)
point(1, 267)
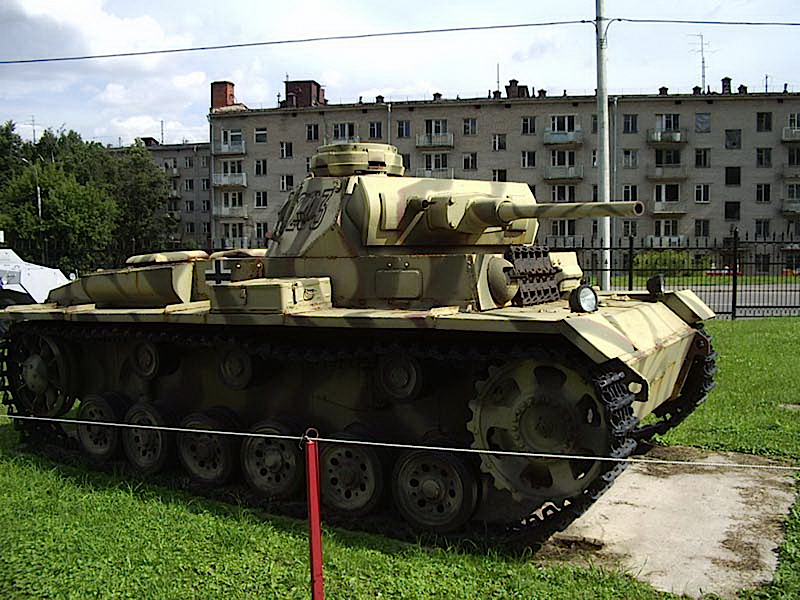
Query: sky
point(115, 100)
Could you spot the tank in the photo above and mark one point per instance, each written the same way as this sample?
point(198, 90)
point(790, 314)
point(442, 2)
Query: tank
point(413, 313)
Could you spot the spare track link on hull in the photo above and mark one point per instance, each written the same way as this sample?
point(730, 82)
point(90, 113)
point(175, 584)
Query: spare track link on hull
point(550, 517)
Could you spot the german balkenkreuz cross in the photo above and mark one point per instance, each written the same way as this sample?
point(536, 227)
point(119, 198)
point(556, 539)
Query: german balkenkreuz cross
point(219, 272)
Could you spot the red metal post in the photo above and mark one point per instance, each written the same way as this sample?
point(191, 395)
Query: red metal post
point(314, 519)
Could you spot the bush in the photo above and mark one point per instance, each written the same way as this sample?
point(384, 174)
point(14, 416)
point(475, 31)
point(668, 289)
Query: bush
point(670, 262)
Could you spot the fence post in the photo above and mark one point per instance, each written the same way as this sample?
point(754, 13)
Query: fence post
point(630, 262)
point(735, 280)
point(314, 518)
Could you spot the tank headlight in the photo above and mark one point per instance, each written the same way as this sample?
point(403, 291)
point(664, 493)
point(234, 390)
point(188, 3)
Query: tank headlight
point(583, 299)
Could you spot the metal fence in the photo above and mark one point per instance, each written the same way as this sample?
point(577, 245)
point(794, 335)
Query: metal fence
point(737, 276)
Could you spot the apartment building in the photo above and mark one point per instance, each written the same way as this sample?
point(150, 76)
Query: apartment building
point(703, 163)
point(188, 167)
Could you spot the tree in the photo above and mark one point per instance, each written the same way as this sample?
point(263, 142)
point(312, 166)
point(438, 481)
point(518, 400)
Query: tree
point(77, 220)
point(10, 152)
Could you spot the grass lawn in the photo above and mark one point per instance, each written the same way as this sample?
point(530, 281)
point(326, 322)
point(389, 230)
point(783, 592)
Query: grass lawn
point(67, 532)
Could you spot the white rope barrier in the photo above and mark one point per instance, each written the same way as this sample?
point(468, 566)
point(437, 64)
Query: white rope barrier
point(479, 451)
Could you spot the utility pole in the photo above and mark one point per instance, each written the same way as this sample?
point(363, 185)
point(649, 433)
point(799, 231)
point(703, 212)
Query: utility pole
point(603, 170)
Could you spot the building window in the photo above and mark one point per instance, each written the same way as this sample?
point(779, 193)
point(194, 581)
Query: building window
point(794, 120)
point(403, 129)
point(763, 121)
point(260, 135)
point(764, 158)
point(205, 205)
point(562, 158)
point(204, 162)
point(188, 206)
point(702, 158)
point(233, 230)
point(667, 192)
point(261, 166)
point(498, 142)
point(762, 228)
point(375, 130)
point(437, 160)
point(668, 122)
point(206, 227)
point(262, 230)
point(287, 182)
point(794, 157)
point(702, 122)
point(564, 123)
point(793, 192)
point(189, 227)
point(630, 228)
point(562, 227)
point(595, 193)
point(668, 158)
point(435, 126)
point(630, 123)
point(188, 185)
point(630, 159)
point(762, 262)
point(733, 139)
point(471, 126)
point(733, 175)
point(702, 192)
point(231, 167)
point(344, 131)
point(528, 159)
point(528, 125)
point(594, 159)
point(232, 137)
point(286, 149)
point(732, 211)
point(172, 205)
point(666, 227)
point(470, 161)
point(763, 192)
point(701, 227)
point(499, 175)
point(261, 199)
point(205, 184)
point(312, 132)
point(562, 193)
point(594, 123)
point(231, 199)
point(630, 193)
point(308, 164)
point(188, 162)
point(406, 161)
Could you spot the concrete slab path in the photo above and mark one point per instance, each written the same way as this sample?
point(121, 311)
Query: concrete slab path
point(685, 529)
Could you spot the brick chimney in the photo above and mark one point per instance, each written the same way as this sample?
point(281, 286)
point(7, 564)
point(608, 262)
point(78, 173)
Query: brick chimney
point(221, 94)
point(726, 85)
point(663, 90)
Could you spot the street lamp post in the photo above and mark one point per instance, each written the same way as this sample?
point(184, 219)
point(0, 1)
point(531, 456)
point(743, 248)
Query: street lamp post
point(38, 189)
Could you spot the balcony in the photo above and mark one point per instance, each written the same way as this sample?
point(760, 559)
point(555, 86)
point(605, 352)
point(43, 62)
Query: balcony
point(564, 241)
point(670, 208)
point(435, 140)
point(436, 173)
point(229, 149)
point(231, 179)
point(665, 241)
point(172, 171)
point(174, 193)
point(790, 171)
point(667, 172)
point(790, 135)
point(352, 139)
point(790, 206)
point(566, 138)
point(239, 212)
point(662, 137)
point(564, 173)
point(231, 243)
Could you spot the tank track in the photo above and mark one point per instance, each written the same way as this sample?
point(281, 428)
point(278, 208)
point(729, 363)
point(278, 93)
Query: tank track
point(699, 382)
point(523, 535)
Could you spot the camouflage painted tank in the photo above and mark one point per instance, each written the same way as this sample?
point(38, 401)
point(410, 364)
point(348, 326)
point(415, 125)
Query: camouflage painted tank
point(403, 310)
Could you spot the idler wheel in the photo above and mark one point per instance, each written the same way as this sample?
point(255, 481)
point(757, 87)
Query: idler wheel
point(101, 442)
point(398, 377)
point(434, 490)
point(351, 477)
point(272, 466)
point(235, 366)
point(210, 458)
point(540, 406)
point(146, 360)
point(148, 450)
point(40, 376)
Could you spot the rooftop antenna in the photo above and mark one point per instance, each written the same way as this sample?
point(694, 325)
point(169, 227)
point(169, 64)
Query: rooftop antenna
point(702, 58)
point(498, 77)
point(162, 132)
point(33, 125)
point(766, 83)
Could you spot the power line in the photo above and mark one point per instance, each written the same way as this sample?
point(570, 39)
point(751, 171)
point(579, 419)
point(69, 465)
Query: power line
point(330, 38)
point(361, 36)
